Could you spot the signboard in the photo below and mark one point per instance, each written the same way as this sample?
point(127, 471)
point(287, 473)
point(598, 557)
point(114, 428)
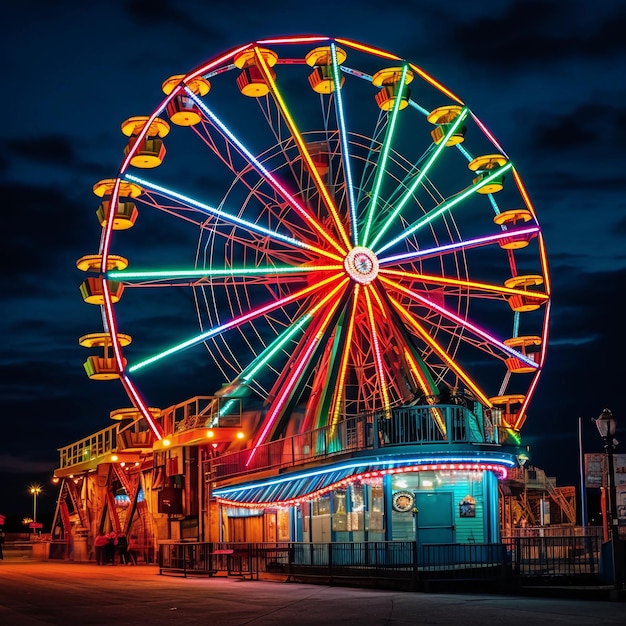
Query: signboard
point(621, 503)
point(35, 525)
point(2, 518)
point(596, 470)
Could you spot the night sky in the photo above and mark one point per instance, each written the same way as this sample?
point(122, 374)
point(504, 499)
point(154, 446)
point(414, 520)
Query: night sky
point(550, 83)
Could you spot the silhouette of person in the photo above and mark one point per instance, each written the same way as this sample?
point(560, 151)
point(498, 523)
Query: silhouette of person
point(100, 544)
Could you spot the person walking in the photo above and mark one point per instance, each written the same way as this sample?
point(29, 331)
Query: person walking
point(122, 550)
point(110, 548)
point(133, 549)
point(100, 544)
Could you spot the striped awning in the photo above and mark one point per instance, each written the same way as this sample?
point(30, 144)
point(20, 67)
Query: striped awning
point(286, 489)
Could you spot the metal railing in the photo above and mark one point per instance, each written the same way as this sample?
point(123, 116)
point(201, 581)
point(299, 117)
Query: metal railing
point(97, 445)
point(416, 425)
point(520, 559)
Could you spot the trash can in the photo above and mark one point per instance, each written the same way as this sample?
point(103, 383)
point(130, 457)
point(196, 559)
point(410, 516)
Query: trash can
point(80, 545)
point(41, 550)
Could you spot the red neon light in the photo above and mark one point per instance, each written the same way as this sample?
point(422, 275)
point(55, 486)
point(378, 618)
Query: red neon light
point(465, 467)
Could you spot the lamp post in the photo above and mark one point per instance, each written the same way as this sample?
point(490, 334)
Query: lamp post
point(35, 490)
point(606, 425)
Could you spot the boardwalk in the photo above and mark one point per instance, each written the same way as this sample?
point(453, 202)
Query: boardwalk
point(34, 594)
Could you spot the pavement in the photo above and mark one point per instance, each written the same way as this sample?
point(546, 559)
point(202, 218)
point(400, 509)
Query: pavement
point(36, 593)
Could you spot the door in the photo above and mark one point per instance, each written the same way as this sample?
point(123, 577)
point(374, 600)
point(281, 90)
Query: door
point(434, 522)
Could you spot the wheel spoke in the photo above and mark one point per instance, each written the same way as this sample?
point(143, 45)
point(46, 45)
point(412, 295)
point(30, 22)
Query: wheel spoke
point(460, 322)
point(440, 351)
point(304, 152)
point(417, 180)
point(267, 175)
point(304, 361)
point(381, 165)
point(461, 284)
point(445, 206)
point(272, 274)
point(345, 150)
point(272, 306)
point(467, 244)
point(231, 218)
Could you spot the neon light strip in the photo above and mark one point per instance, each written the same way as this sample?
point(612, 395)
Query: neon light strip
point(531, 208)
point(377, 353)
point(442, 280)
point(132, 392)
point(427, 390)
point(489, 135)
point(286, 335)
point(359, 46)
point(435, 83)
point(502, 473)
point(204, 69)
point(294, 375)
point(228, 217)
point(310, 219)
point(390, 465)
point(440, 351)
point(345, 150)
point(434, 155)
point(469, 243)
point(278, 344)
point(445, 206)
point(339, 388)
point(319, 183)
point(384, 155)
point(521, 416)
point(311, 39)
point(459, 320)
point(235, 322)
point(141, 405)
point(234, 272)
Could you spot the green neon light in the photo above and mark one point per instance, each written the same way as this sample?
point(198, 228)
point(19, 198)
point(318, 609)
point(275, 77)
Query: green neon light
point(267, 355)
point(445, 206)
point(214, 273)
point(275, 347)
point(423, 172)
point(380, 168)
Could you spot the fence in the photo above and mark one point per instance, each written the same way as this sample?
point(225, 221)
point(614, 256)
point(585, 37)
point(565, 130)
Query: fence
point(516, 561)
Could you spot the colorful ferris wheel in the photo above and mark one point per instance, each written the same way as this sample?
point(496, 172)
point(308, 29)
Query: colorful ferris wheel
point(331, 233)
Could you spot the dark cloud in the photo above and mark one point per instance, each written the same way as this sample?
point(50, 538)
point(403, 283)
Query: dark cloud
point(37, 237)
point(529, 34)
point(593, 127)
point(54, 150)
point(167, 15)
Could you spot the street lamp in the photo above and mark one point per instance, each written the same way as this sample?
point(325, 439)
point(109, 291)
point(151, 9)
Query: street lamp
point(607, 425)
point(35, 490)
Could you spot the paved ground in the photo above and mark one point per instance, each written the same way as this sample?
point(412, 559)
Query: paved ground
point(43, 593)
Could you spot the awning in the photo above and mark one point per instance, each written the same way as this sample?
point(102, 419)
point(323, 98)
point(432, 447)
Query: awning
point(287, 489)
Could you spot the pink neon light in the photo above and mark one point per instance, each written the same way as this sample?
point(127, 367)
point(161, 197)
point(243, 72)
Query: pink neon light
point(501, 470)
point(287, 389)
point(141, 405)
point(204, 69)
point(111, 322)
point(377, 353)
point(535, 380)
point(459, 320)
point(304, 39)
point(489, 136)
point(478, 241)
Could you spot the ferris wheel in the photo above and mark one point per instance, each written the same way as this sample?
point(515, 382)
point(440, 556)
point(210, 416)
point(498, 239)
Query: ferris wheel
point(332, 232)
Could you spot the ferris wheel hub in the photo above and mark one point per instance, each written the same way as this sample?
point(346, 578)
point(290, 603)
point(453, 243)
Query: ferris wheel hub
point(362, 265)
